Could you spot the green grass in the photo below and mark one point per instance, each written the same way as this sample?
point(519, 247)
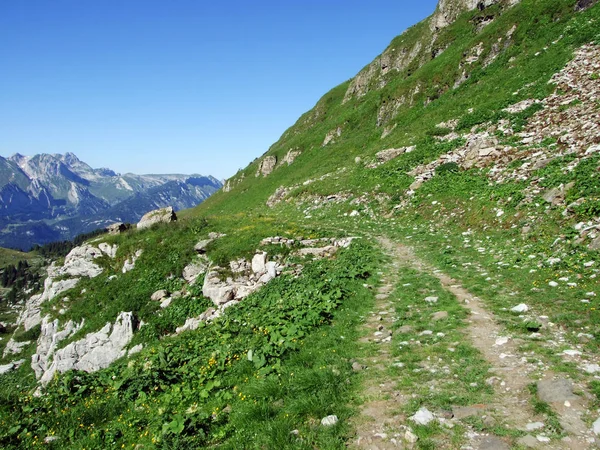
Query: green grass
point(280, 361)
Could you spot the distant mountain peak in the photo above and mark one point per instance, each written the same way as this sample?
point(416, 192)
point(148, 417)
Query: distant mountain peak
point(63, 189)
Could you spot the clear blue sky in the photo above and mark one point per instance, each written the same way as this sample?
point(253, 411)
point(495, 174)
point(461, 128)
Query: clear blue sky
point(150, 86)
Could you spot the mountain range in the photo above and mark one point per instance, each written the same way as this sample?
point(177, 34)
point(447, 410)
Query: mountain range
point(49, 197)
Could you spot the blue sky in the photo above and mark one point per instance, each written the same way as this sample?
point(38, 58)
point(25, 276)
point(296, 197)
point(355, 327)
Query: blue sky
point(184, 86)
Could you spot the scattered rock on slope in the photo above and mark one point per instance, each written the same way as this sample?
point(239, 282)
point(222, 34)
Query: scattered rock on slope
point(163, 215)
point(267, 165)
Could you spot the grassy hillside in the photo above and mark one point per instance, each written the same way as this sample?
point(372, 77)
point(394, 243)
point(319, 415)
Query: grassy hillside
point(494, 192)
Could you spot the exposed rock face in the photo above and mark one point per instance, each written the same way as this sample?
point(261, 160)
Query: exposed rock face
point(389, 154)
point(331, 137)
point(14, 348)
point(194, 322)
point(290, 156)
point(129, 263)
point(192, 271)
point(267, 165)
point(78, 263)
point(448, 10)
point(14, 365)
point(94, 352)
point(163, 215)
point(108, 250)
point(50, 336)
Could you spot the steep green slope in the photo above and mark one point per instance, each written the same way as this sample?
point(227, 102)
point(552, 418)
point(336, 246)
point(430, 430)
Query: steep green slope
point(513, 53)
point(490, 176)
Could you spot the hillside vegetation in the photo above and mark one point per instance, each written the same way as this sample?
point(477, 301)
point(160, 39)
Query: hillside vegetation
point(412, 265)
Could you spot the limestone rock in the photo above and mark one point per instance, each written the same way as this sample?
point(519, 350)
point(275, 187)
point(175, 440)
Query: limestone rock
point(13, 365)
point(558, 390)
point(192, 271)
point(162, 215)
point(290, 156)
point(108, 250)
point(14, 347)
point(422, 417)
point(95, 351)
point(332, 135)
point(329, 421)
point(118, 228)
point(259, 262)
point(129, 263)
point(79, 263)
point(50, 336)
point(200, 247)
point(266, 166)
point(215, 289)
point(193, 323)
point(159, 295)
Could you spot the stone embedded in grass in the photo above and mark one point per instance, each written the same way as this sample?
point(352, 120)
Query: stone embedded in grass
point(521, 308)
point(159, 295)
point(553, 284)
point(329, 421)
point(440, 315)
point(423, 417)
point(431, 299)
point(571, 352)
point(558, 390)
point(591, 368)
point(534, 426)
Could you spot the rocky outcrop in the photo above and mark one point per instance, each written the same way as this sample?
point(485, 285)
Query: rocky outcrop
point(13, 365)
point(331, 136)
point(266, 166)
point(50, 336)
point(249, 278)
point(162, 215)
point(447, 11)
point(129, 263)
point(387, 155)
point(78, 263)
point(192, 271)
point(290, 156)
point(95, 351)
point(108, 250)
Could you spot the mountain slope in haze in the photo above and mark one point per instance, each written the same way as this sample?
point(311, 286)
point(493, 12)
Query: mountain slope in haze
point(54, 197)
point(414, 264)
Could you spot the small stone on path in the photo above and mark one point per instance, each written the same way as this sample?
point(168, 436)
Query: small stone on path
point(534, 426)
point(492, 443)
point(552, 391)
point(528, 441)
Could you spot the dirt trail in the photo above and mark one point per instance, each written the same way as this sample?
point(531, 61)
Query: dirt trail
point(379, 427)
